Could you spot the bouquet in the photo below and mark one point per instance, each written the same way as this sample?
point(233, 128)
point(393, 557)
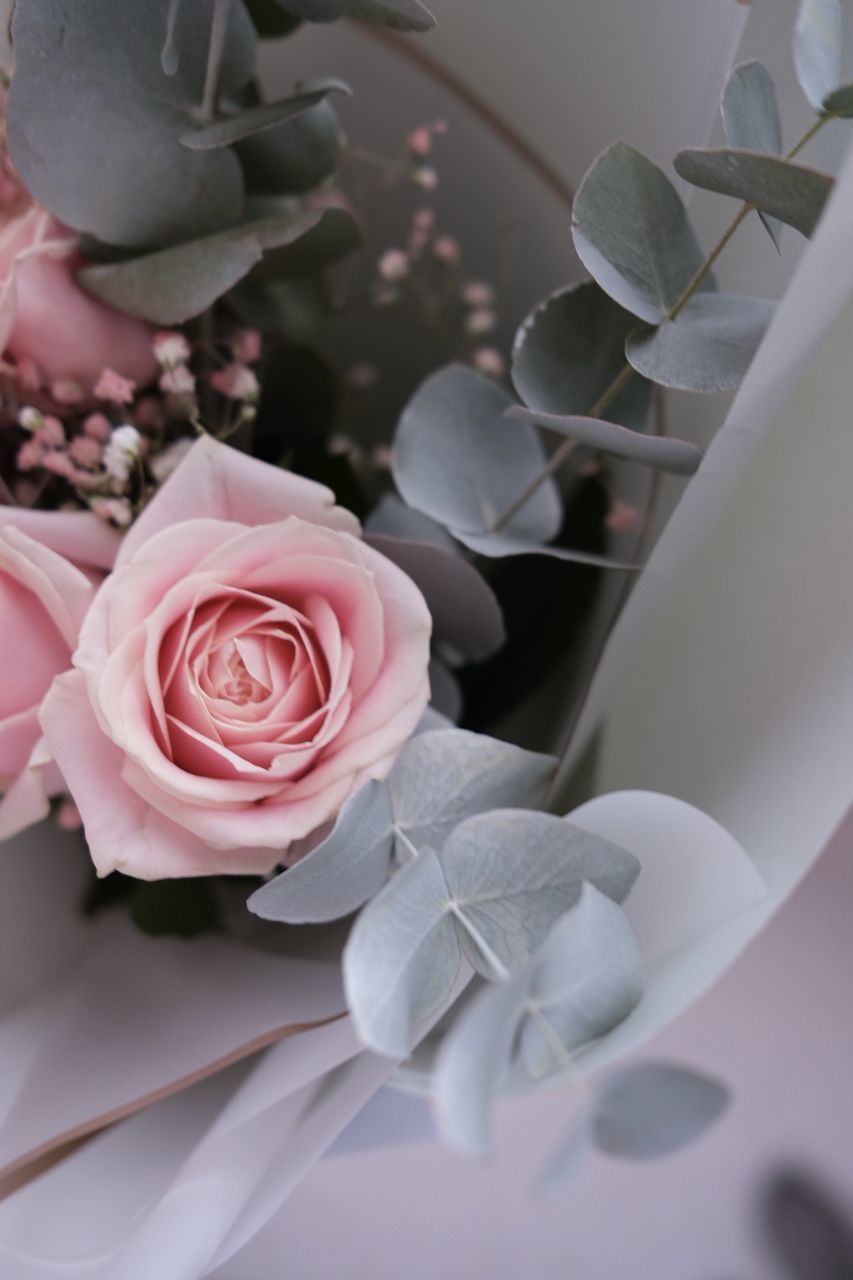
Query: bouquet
point(307, 578)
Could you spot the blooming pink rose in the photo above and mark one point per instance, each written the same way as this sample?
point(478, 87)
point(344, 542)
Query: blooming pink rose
point(43, 600)
point(249, 663)
point(47, 318)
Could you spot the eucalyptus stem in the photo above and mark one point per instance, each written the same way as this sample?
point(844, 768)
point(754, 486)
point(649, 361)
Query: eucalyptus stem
point(215, 54)
point(605, 400)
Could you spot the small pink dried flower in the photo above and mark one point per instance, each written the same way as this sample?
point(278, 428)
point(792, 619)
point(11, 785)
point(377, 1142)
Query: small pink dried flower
point(622, 517)
point(170, 348)
point(237, 382)
point(394, 265)
point(113, 387)
point(447, 250)
point(489, 361)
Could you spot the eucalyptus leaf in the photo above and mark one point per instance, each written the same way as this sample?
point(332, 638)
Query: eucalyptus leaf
point(403, 15)
point(653, 1109)
point(708, 348)
point(444, 777)
point(569, 350)
point(465, 611)
point(402, 959)
point(172, 285)
point(793, 193)
point(93, 121)
point(818, 48)
point(342, 873)
point(751, 119)
point(512, 874)
point(586, 979)
point(230, 129)
point(473, 1062)
point(392, 518)
point(458, 460)
point(440, 777)
point(296, 156)
point(840, 102)
point(335, 234)
point(678, 456)
point(632, 233)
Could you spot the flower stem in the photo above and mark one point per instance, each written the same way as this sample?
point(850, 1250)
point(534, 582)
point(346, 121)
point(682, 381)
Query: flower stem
point(605, 400)
point(216, 51)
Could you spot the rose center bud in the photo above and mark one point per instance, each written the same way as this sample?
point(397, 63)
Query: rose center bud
point(242, 688)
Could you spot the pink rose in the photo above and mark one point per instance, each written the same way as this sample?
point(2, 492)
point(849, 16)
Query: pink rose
point(47, 318)
point(43, 600)
point(249, 663)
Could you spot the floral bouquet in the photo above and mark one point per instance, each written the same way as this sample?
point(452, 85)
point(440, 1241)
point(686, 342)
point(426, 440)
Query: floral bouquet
point(346, 737)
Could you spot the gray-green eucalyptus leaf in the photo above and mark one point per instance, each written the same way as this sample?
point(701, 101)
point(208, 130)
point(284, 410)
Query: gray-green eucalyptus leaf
point(458, 460)
point(709, 347)
point(793, 193)
point(230, 129)
point(94, 122)
point(442, 778)
point(342, 873)
point(750, 109)
point(403, 15)
point(840, 102)
point(568, 351)
point(586, 979)
point(172, 285)
point(473, 1062)
point(677, 456)
point(632, 233)
point(464, 609)
point(402, 959)
point(641, 1113)
point(296, 156)
point(654, 1109)
point(445, 691)
point(512, 874)
point(818, 48)
point(751, 119)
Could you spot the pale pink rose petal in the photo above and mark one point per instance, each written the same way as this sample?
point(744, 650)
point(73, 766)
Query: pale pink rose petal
point(47, 317)
point(18, 735)
point(78, 535)
point(220, 483)
point(123, 832)
point(25, 803)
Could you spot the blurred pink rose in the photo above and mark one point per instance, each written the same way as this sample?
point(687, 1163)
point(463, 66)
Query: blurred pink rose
point(43, 600)
point(247, 666)
point(47, 318)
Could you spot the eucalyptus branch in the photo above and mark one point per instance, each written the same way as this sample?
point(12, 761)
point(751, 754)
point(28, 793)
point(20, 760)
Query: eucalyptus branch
point(607, 397)
point(216, 52)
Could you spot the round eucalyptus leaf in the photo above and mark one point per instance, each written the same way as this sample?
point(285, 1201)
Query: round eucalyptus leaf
point(403, 958)
point(708, 348)
point(459, 461)
point(586, 979)
point(654, 1109)
point(513, 873)
point(173, 285)
point(840, 102)
point(751, 119)
point(473, 1062)
point(569, 350)
point(93, 121)
point(793, 193)
point(818, 48)
point(227, 130)
point(296, 156)
point(632, 233)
